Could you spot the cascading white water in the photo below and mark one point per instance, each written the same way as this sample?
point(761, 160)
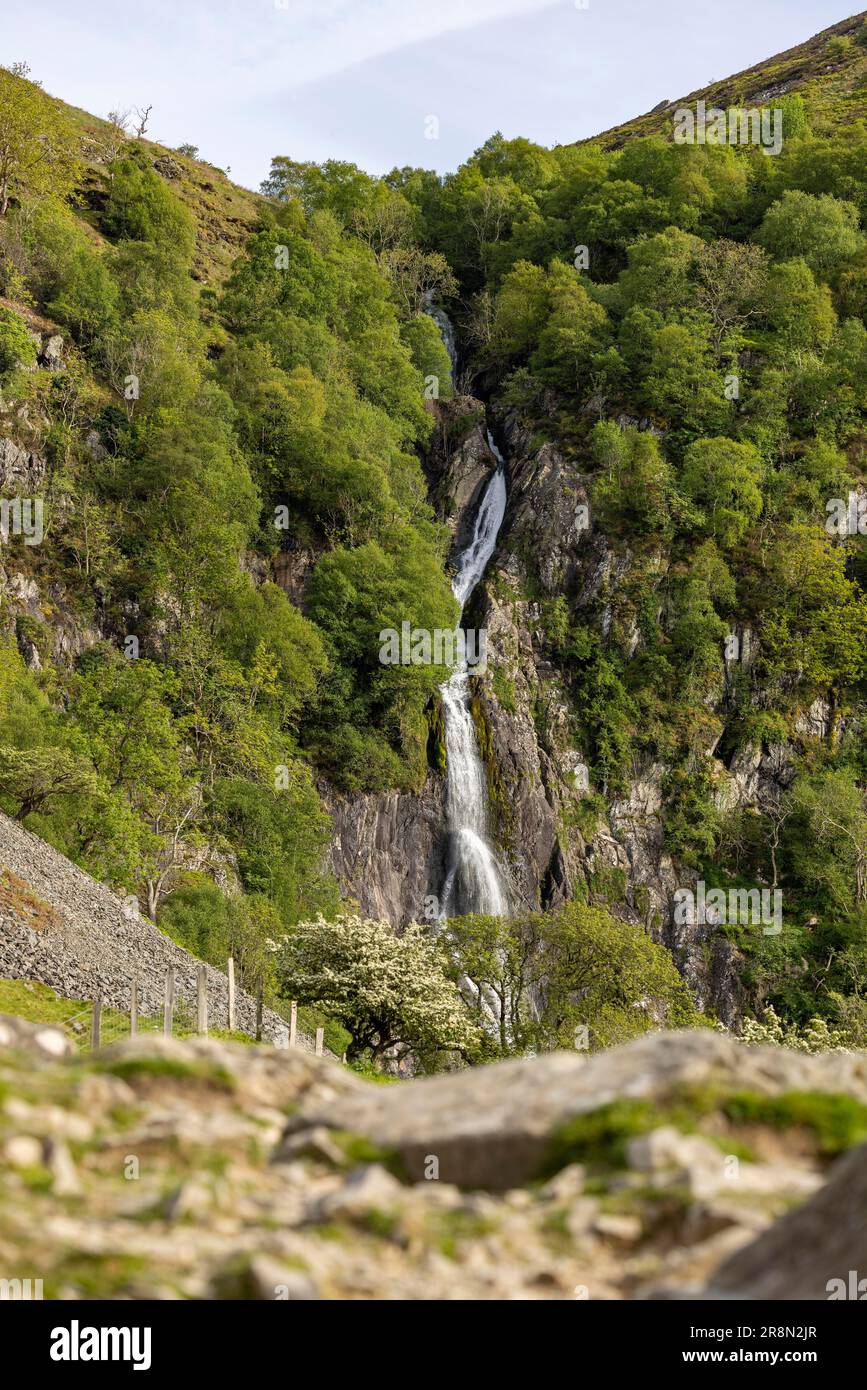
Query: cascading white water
point(474, 881)
point(446, 328)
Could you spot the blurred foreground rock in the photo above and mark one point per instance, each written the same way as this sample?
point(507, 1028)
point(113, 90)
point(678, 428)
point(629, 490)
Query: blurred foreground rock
point(199, 1169)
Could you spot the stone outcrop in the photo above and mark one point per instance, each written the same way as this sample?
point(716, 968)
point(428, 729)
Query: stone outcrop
point(85, 942)
point(492, 1126)
point(22, 470)
point(387, 849)
point(459, 464)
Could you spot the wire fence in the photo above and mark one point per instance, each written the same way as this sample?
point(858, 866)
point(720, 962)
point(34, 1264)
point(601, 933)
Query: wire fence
point(96, 1024)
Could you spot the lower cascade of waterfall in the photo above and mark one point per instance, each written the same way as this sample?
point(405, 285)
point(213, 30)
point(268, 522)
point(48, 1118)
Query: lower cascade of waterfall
point(474, 879)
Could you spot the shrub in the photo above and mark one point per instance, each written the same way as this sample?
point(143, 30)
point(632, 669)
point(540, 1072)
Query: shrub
point(839, 45)
point(17, 348)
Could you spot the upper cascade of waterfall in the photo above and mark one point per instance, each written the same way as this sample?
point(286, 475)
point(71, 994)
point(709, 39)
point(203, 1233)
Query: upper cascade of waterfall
point(446, 328)
point(473, 561)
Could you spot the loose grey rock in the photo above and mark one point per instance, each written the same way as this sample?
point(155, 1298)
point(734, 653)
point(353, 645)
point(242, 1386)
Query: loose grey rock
point(34, 1038)
point(23, 1151)
point(272, 1280)
point(367, 1188)
point(95, 943)
point(58, 1161)
point(51, 356)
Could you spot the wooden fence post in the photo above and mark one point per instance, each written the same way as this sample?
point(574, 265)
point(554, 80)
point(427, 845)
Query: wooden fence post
point(94, 1022)
point(320, 1039)
point(169, 1005)
point(202, 1001)
point(133, 1007)
point(231, 994)
point(293, 1023)
point(260, 1010)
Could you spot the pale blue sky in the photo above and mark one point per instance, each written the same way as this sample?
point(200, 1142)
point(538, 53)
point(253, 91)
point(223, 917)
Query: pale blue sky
point(356, 79)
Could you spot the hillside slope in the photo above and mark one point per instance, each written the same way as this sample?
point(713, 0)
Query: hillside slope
point(832, 79)
point(248, 478)
point(225, 213)
point(61, 927)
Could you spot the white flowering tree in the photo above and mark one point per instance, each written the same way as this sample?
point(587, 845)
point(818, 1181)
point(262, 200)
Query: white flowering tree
point(390, 992)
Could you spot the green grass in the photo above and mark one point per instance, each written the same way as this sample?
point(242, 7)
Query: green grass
point(599, 1139)
point(171, 1068)
point(97, 1275)
point(381, 1223)
point(362, 1067)
point(38, 1003)
point(35, 1002)
point(336, 1037)
point(452, 1229)
point(837, 1121)
point(359, 1149)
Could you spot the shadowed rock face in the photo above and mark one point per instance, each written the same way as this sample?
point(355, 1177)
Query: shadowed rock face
point(387, 850)
point(818, 1251)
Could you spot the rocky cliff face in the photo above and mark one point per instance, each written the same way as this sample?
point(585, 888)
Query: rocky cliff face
point(34, 608)
point(387, 850)
point(553, 836)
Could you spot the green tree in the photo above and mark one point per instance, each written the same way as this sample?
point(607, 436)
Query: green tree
point(140, 207)
point(723, 477)
point(822, 230)
point(39, 155)
point(814, 619)
point(635, 490)
point(37, 777)
point(800, 312)
point(825, 837)
point(392, 993)
point(573, 977)
point(17, 348)
point(279, 835)
point(124, 709)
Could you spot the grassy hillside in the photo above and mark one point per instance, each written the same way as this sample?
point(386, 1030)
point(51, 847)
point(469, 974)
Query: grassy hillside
point(224, 213)
point(829, 71)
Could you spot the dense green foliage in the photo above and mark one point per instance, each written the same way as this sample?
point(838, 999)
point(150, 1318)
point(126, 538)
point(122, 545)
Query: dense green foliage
point(574, 977)
point(189, 433)
point(687, 322)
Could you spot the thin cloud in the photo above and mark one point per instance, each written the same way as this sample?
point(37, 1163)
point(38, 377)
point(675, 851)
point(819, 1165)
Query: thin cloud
point(324, 37)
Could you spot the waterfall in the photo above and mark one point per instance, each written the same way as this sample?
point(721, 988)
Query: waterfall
point(474, 880)
point(446, 328)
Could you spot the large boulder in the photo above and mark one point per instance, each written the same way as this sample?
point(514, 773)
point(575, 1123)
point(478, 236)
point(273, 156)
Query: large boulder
point(494, 1127)
point(817, 1251)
